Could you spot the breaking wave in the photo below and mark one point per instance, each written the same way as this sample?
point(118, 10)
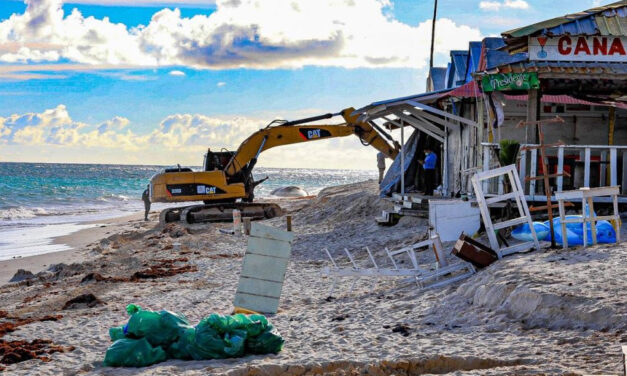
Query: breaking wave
point(21, 212)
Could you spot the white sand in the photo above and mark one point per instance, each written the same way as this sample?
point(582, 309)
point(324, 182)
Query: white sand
point(551, 312)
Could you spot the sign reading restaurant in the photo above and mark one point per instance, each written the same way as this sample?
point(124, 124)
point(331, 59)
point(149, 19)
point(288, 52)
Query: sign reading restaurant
point(578, 48)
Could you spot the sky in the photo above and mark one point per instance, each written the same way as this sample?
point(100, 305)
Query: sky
point(157, 82)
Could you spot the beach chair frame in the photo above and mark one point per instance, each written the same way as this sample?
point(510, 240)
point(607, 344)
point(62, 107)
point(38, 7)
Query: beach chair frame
point(443, 274)
point(518, 195)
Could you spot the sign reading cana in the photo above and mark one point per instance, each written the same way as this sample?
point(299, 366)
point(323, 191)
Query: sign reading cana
point(578, 48)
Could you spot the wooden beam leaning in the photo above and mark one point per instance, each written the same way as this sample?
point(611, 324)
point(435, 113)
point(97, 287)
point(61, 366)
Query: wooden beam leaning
point(427, 123)
point(442, 113)
point(416, 123)
point(432, 118)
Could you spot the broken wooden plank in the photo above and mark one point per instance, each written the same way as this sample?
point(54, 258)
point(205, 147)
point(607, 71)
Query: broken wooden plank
point(263, 269)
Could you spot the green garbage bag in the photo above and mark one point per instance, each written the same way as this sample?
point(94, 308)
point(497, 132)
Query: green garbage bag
point(253, 324)
point(218, 322)
point(270, 341)
point(235, 341)
point(257, 325)
point(116, 333)
point(181, 349)
point(150, 337)
point(129, 352)
point(159, 328)
point(207, 342)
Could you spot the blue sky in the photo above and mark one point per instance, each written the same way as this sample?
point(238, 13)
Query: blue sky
point(267, 66)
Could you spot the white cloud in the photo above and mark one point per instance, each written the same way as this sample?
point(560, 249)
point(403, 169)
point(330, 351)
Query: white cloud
point(176, 73)
point(240, 33)
point(180, 138)
point(117, 123)
point(221, 84)
point(497, 5)
point(516, 4)
point(490, 5)
point(56, 127)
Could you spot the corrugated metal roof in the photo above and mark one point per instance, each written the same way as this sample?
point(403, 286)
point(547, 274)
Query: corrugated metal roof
point(495, 58)
point(438, 78)
point(611, 22)
point(458, 68)
point(492, 56)
point(422, 98)
point(450, 72)
point(560, 99)
point(474, 49)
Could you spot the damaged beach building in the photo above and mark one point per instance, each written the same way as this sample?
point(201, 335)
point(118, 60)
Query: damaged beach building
point(571, 70)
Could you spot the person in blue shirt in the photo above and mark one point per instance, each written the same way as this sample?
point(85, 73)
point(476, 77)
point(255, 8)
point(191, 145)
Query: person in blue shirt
point(428, 166)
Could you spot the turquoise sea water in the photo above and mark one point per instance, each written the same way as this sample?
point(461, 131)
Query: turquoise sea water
point(60, 198)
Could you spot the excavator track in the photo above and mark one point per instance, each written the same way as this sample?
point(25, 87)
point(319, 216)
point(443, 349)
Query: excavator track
point(222, 212)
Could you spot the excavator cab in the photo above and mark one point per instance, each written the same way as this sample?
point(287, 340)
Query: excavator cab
point(217, 161)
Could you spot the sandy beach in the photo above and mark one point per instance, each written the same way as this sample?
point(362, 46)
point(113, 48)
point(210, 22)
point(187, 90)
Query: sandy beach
point(76, 241)
point(542, 312)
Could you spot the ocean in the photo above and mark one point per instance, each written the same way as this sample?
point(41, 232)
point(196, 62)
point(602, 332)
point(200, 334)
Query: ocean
point(41, 201)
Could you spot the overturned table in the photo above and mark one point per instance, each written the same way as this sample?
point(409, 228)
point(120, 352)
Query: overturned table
point(586, 196)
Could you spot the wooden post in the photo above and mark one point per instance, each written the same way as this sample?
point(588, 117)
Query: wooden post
point(402, 160)
point(288, 218)
point(246, 225)
point(237, 222)
point(444, 161)
point(533, 115)
point(547, 187)
point(586, 168)
point(624, 185)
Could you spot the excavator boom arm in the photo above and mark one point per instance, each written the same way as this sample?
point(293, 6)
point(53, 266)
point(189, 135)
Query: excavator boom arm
point(269, 137)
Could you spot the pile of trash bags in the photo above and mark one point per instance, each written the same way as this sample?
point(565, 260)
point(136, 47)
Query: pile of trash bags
point(574, 231)
point(151, 337)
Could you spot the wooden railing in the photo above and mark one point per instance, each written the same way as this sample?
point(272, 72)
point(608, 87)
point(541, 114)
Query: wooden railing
point(576, 160)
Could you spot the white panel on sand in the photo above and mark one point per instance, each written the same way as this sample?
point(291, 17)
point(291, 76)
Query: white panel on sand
point(263, 269)
point(450, 217)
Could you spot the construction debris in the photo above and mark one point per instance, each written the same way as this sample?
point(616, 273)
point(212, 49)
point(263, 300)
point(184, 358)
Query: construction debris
point(516, 194)
point(474, 252)
point(586, 196)
point(263, 269)
point(425, 271)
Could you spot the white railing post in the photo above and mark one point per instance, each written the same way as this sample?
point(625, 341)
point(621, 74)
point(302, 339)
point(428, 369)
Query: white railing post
point(560, 168)
point(522, 168)
point(486, 165)
point(586, 168)
point(613, 171)
point(603, 169)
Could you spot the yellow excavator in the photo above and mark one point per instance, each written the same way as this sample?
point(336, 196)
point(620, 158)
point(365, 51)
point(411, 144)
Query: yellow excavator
point(226, 182)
